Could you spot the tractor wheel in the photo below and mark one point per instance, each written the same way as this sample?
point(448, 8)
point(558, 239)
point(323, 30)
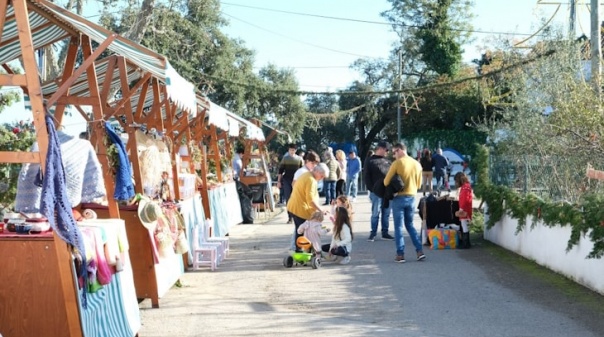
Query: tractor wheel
point(288, 262)
point(315, 262)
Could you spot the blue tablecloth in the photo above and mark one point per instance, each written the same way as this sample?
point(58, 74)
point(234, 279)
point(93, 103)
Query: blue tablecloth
point(192, 211)
point(225, 208)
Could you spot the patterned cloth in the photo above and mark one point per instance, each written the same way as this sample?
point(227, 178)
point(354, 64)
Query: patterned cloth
point(83, 175)
point(55, 205)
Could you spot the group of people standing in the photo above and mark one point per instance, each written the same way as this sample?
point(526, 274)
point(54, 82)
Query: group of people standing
point(392, 187)
point(434, 166)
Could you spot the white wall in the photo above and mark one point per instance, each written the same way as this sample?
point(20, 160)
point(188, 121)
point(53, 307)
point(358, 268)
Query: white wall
point(547, 247)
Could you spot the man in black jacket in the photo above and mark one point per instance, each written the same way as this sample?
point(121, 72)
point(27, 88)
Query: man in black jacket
point(376, 168)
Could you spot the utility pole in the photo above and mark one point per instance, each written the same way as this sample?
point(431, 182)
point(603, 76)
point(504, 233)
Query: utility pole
point(398, 101)
point(573, 18)
point(596, 46)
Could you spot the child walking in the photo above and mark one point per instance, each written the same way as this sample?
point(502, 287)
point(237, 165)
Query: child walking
point(341, 242)
point(312, 229)
point(465, 208)
point(341, 201)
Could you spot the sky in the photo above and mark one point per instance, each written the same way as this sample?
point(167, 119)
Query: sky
point(321, 49)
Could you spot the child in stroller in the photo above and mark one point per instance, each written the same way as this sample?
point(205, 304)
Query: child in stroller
point(309, 243)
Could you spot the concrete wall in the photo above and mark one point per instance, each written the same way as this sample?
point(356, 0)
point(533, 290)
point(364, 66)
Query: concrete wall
point(547, 247)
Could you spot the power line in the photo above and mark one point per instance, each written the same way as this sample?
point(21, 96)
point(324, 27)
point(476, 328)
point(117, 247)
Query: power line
point(368, 21)
point(297, 40)
point(312, 67)
point(385, 92)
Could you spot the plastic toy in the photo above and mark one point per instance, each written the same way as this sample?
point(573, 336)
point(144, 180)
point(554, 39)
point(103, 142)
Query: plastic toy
point(304, 255)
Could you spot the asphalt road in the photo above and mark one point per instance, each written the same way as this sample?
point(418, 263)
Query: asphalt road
point(484, 291)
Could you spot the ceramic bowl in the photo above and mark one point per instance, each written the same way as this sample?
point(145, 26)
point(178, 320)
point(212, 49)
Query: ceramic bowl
point(39, 226)
point(11, 224)
point(23, 228)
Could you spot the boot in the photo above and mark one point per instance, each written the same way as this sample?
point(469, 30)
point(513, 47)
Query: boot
point(465, 240)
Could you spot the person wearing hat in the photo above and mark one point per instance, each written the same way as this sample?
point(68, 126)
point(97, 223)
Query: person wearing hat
point(376, 168)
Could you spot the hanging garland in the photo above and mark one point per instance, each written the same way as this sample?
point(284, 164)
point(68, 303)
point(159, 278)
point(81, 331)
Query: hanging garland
point(585, 218)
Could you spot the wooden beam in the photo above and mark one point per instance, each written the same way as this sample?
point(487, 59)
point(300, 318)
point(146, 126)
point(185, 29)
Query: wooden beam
point(127, 95)
point(20, 157)
point(66, 276)
point(138, 114)
point(3, 7)
point(33, 82)
point(87, 63)
point(52, 20)
point(68, 69)
point(10, 79)
point(83, 114)
point(97, 114)
point(108, 78)
point(131, 145)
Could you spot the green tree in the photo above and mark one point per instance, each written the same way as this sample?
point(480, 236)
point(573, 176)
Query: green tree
point(432, 31)
point(189, 34)
point(13, 137)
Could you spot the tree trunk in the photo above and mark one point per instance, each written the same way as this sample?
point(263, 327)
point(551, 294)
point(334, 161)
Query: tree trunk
point(137, 32)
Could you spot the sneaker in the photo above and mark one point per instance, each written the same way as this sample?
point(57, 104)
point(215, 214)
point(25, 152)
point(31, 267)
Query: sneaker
point(345, 260)
point(371, 238)
point(400, 259)
point(353, 199)
point(387, 237)
point(421, 256)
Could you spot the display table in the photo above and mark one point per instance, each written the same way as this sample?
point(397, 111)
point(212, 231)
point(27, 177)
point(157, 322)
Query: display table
point(32, 299)
point(151, 280)
point(193, 214)
point(113, 310)
point(225, 208)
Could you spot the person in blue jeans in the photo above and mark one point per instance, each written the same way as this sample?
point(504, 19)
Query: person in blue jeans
point(403, 204)
point(375, 170)
point(353, 168)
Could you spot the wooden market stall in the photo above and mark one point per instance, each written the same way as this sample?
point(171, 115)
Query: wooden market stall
point(208, 133)
point(38, 273)
point(152, 97)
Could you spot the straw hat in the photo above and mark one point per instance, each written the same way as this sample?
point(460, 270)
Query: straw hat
point(148, 212)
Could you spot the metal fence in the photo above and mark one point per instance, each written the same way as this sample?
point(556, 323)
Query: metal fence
point(552, 177)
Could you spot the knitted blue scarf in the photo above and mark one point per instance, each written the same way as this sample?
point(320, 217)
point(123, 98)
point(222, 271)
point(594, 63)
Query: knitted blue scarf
point(124, 188)
point(54, 203)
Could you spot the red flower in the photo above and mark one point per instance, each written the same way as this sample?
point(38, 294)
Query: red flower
point(16, 130)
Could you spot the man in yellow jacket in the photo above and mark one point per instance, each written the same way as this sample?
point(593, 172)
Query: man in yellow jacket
point(304, 200)
point(403, 204)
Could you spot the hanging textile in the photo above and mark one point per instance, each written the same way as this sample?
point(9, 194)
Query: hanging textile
point(55, 206)
point(124, 188)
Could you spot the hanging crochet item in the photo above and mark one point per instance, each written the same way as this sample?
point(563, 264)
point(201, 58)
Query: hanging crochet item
point(55, 204)
point(124, 188)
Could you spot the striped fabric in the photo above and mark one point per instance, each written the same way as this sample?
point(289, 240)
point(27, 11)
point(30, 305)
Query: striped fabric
point(112, 310)
point(105, 314)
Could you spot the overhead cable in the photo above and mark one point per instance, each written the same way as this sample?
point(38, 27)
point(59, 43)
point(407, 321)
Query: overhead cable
point(369, 21)
point(386, 92)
